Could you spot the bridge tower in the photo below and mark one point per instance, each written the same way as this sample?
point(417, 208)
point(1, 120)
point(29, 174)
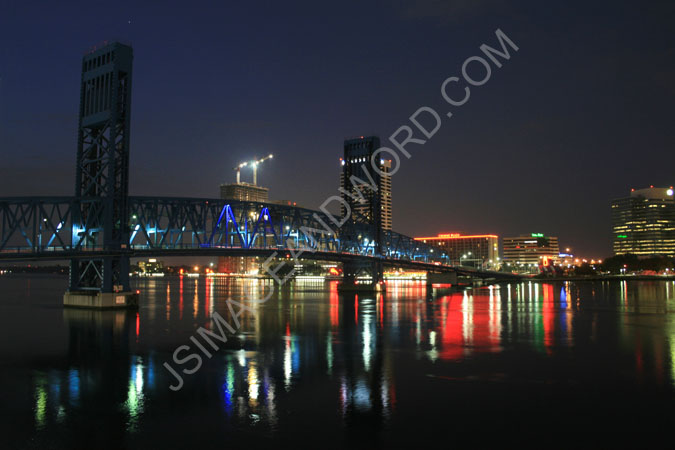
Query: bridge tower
point(100, 218)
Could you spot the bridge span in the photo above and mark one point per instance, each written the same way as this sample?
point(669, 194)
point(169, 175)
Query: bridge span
point(46, 228)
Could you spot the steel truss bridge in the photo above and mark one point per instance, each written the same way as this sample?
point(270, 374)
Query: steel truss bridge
point(38, 228)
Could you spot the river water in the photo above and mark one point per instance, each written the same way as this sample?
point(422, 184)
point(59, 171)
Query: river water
point(583, 364)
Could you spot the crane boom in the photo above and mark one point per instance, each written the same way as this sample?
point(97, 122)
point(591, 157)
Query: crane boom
point(238, 169)
point(255, 167)
point(253, 164)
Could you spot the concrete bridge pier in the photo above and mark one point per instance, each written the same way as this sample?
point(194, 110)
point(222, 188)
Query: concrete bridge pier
point(100, 284)
point(441, 278)
point(351, 271)
point(100, 300)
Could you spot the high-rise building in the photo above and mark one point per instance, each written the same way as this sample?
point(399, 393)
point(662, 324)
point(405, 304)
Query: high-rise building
point(477, 250)
point(644, 223)
point(356, 161)
point(244, 192)
point(532, 249)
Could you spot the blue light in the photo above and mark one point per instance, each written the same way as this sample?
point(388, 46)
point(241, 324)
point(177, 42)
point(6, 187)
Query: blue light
point(74, 385)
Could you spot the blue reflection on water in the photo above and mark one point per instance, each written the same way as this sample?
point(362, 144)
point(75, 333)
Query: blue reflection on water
point(227, 389)
point(74, 386)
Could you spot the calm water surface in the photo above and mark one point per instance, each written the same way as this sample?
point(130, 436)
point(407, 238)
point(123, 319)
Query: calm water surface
point(587, 364)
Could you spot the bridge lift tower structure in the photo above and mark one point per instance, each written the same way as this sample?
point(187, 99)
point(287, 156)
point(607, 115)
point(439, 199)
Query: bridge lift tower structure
point(100, 218)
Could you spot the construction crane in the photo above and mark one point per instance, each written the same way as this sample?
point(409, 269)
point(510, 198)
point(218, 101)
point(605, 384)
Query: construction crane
point(255, 167)
point(253, 164)
point(238, 169)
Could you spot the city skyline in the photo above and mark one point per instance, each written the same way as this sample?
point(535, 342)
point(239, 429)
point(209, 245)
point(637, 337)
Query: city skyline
point(559, 160)
point(354, 224)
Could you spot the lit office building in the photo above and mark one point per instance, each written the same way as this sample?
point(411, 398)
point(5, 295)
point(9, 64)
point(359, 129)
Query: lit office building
point(150, 266)
point(480, 250)
point(377, 206)
point(530, 250)
point(644, 223)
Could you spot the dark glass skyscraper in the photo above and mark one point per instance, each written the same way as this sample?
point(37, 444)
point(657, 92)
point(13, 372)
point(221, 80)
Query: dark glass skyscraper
point(357, 158)
point(644, 223)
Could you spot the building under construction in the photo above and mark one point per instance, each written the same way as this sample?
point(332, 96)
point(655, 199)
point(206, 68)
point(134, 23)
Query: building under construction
point(246, 191)
point(250, 192)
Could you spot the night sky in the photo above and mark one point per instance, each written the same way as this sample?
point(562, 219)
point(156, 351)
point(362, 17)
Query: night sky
point(579, 115)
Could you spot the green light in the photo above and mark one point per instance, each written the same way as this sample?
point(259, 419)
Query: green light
point(41, 407)
point(622, 236)
point(537, 234)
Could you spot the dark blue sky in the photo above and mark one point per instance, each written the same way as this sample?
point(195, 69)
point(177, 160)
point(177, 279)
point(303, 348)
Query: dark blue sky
point(582, 113)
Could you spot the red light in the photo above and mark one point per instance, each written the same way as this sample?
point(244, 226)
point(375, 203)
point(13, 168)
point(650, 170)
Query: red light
point(138, 291)
point(456, 236)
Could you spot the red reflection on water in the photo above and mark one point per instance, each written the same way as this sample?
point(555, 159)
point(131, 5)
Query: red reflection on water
point(356, 309)
point(334, 301)
point(195, 300)
point(138, 325)
point(207, 303)
point(452, 320)
point(180, 301)
point(469, 323)
point(548, 316)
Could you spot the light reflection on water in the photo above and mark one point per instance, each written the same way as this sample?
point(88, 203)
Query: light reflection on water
point(354, 355)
